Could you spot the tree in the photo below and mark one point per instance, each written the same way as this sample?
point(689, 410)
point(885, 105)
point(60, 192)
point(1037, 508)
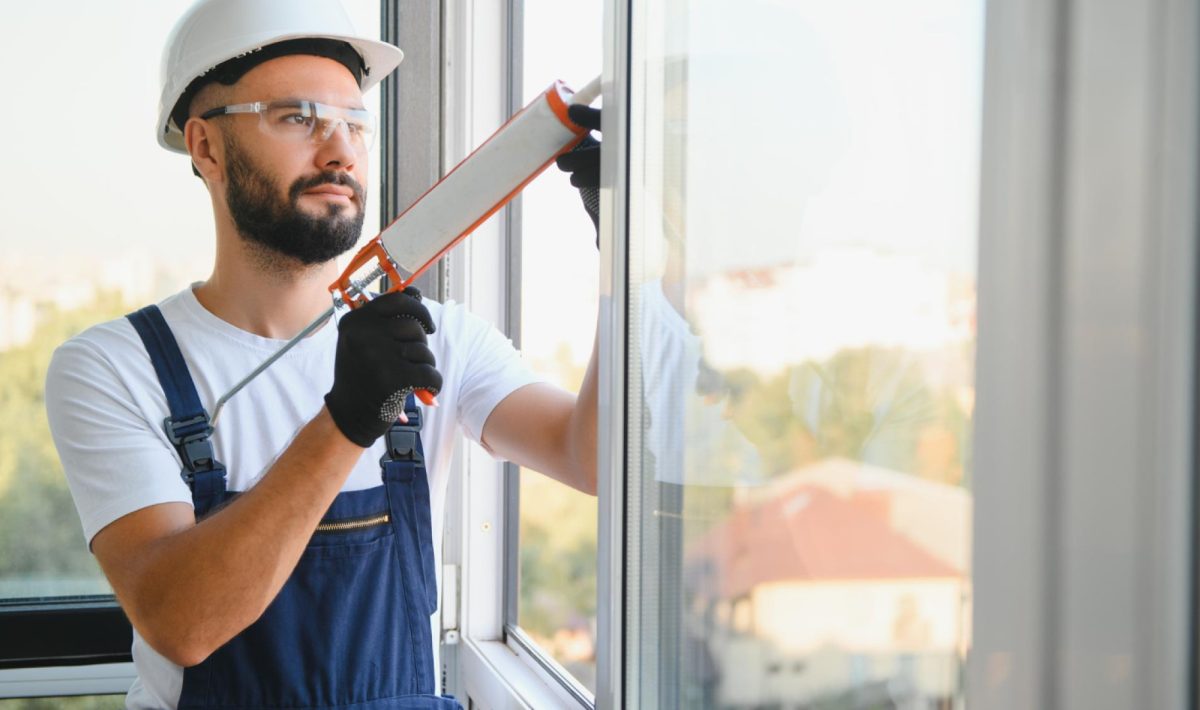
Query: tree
point(42, 550)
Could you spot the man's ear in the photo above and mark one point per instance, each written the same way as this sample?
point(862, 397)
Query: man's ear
point(205, 149)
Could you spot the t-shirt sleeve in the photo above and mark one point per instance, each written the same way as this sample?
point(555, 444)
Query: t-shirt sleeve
point(492, 370)
point(115, 461)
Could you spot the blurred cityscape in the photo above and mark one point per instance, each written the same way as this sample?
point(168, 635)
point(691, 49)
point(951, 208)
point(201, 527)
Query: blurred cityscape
point(826, 507)
point(32, 288)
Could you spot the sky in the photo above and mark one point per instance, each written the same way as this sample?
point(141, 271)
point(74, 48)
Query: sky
point(560, 265)
point(815, 125)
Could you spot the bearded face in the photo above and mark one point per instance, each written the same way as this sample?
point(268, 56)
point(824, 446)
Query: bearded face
point(266, 217)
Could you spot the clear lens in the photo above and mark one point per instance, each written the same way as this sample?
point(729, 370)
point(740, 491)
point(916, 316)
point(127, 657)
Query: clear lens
point(308, 120)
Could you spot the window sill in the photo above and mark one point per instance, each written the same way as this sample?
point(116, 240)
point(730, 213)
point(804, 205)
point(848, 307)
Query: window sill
point(100, 679)
point(499, 678)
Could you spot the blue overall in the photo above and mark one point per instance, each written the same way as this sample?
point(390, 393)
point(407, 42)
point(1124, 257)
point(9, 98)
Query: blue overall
point(351, 627)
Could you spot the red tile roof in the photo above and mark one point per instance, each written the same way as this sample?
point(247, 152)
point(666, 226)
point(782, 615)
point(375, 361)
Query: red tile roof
point(810, 532)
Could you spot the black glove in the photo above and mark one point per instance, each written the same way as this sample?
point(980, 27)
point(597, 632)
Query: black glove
point(382, 356)
point(584, 162)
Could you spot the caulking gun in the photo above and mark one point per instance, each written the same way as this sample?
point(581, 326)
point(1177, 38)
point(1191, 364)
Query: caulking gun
point(474, 190)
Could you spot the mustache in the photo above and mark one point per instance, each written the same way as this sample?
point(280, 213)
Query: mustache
point(327, 177)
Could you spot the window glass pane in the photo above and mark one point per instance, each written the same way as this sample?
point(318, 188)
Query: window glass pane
point(559, 281)
point(99, 220)
point(802, 302)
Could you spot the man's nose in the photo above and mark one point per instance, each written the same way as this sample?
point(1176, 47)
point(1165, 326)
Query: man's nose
point(337, 149)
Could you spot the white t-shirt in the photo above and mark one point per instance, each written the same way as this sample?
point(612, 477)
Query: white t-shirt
point(682, 429)
point(106, 408)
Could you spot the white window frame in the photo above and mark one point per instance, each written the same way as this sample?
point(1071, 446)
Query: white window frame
point(496, 668)
point(98, 679)
point(612, 636)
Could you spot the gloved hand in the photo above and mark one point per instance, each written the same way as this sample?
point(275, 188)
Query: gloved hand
point(382, 355)
point(584, 162)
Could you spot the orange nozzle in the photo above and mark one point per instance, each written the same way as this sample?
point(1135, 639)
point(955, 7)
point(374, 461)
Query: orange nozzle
point(372, 251)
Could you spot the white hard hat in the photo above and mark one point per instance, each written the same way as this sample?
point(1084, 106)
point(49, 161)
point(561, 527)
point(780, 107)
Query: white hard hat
point(214, 31)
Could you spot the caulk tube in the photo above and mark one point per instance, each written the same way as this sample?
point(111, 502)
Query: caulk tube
point(483, 182)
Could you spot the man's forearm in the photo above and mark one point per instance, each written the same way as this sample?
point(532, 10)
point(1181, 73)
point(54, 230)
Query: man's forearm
point(583, 436)
point(203, 585)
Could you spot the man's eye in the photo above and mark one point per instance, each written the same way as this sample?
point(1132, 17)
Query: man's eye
point(297, 119)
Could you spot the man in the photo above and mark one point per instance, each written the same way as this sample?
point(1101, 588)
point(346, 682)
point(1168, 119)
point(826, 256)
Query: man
point(292, 563)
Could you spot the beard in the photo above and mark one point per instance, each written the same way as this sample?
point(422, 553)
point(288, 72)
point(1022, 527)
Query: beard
point(277, 225)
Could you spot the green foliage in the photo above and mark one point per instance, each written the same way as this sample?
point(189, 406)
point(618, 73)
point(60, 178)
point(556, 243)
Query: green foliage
point(39, 529)
point(558, 556)
point(889, 408)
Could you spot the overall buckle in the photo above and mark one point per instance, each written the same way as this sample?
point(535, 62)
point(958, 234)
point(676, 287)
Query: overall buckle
point(402, 445)
point(190, 436)
point(185, 429)
point(402, 438)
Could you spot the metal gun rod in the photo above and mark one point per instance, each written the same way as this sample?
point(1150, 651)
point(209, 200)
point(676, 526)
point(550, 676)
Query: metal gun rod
point(357, 288)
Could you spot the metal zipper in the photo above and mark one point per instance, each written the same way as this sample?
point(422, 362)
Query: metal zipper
point(354, 523)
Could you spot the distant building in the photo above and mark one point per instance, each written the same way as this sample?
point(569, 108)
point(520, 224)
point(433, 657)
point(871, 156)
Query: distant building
point(838, 576)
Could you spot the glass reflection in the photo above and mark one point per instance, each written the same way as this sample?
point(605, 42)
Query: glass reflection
point(802, 224)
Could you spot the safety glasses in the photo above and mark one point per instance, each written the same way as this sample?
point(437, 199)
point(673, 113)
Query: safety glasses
point(298, 121)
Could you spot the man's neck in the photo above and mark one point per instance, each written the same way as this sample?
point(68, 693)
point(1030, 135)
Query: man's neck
point(265, 296)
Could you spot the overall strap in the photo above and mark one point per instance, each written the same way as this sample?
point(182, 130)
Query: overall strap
point(406, 457)
point(187, 426)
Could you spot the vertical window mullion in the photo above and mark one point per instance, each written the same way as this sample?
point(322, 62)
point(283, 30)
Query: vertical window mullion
point(613, 631)
point(514, 48)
